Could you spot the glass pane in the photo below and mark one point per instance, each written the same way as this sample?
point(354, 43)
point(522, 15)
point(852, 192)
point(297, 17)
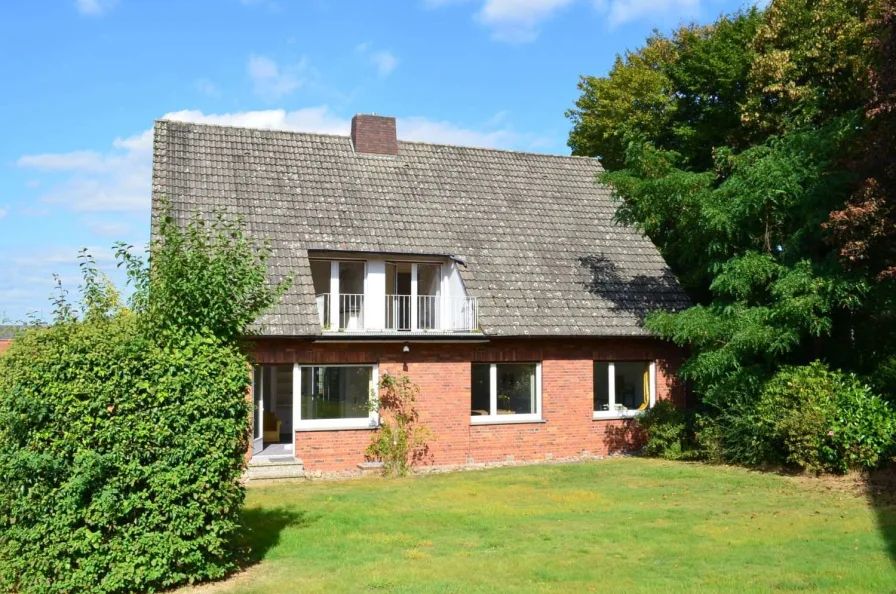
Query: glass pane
point(351, 278)
point(336, 392)
point(631, 388)
point(429, 279)
point(479, 403)
point(516, 389)
point(601, 385)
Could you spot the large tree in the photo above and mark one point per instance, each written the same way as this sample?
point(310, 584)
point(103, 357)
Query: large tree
point(731, 152)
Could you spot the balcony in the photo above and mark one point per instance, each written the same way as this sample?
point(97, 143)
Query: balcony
point(376, 295)
point(432, 312)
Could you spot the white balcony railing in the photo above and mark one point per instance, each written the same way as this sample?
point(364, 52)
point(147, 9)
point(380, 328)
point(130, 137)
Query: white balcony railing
point(403, 314)
point(398, 312)
point(432, 313)
point(462, 314)
point(351, 311)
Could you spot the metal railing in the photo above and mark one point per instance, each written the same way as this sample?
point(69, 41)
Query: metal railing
point(351, 311)
point(429, 312)
point(462, 314)
point(398, 312)
point(457, 313)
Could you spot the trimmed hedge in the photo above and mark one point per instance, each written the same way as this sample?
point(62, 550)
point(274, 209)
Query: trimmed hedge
point(119, 477)
point(125, 476)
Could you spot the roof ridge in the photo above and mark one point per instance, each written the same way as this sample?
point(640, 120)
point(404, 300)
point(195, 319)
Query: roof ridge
point(400, 141)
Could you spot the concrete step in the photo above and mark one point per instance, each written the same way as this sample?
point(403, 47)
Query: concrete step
point(275, 467)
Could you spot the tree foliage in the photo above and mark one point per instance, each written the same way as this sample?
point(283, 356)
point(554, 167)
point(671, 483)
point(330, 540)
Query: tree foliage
point(764, 176)
point(123, 431)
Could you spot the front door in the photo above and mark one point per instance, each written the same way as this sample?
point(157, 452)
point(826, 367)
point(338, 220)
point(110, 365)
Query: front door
point(258, 417)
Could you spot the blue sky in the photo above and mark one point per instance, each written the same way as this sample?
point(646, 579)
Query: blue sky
point(86, 78)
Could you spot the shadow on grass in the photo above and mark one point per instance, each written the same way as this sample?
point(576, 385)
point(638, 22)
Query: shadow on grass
point(880, 488)
point(262, 528)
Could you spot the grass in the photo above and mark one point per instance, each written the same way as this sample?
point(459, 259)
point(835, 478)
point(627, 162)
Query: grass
point(628, 525)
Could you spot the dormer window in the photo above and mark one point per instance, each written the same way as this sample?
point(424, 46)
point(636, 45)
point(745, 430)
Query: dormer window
point(401, 295)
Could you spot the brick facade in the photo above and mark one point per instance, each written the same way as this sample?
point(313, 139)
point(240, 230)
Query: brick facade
point(443, 374)
point(4, 344)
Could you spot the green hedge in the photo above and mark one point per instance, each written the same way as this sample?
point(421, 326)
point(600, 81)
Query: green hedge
point(123, 431)
point(120, 458)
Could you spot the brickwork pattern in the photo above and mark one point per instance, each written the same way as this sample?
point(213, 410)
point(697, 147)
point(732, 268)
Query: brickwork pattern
point(443, 373)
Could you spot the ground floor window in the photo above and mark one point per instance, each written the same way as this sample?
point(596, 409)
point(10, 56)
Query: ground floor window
point(337, 397)
point(505, 392)
point(623, 388)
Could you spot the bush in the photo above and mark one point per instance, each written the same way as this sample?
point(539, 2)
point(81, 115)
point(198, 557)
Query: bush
point(121, 458)
point(123, 433)
point(823, 421)
point(669, 432)
point(400, 441)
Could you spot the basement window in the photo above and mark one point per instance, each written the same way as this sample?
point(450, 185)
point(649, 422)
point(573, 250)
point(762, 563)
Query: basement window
point(505, 393)
point(623, 388)
point(337, 397)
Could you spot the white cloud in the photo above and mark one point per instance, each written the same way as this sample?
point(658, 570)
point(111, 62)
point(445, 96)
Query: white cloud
point(441, 132)
point(309, 119)
point(620, 12)
point(3, 212)
point(271, 81)
point(116, 228)
point(94, 7)
point(207, 87)
point(383, 60)
point(517, 21)
point(75, 160)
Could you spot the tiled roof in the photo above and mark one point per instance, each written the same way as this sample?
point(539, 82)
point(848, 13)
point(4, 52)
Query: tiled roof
point(543, 254)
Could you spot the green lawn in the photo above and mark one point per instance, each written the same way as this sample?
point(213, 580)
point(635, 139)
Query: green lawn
point(625, 525)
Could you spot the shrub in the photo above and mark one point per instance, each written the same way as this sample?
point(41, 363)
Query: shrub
point(400, 441)
point(123, 433)
point(121, 458)
point(823, 421)
point(669, 432)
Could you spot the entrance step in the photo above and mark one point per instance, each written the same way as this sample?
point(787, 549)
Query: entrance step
point(275, 467)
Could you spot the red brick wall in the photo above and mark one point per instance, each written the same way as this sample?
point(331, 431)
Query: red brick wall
point(4, 344)
point(443, 373)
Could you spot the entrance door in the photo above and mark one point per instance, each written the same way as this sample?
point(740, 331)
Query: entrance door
point(258, 418)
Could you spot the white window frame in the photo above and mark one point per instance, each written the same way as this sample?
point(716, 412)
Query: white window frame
point(371, 421)
point(611, 379)
point(495, 419)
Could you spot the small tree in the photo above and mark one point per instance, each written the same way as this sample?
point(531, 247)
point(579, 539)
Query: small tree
point(401, 441)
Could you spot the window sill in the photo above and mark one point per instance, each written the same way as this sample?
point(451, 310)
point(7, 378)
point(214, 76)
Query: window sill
point(335, 426)
point(502, 420)
point(609, 415)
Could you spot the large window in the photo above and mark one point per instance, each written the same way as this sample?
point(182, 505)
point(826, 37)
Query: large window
point(623, 388)
point(337, 397)
point(505, 392)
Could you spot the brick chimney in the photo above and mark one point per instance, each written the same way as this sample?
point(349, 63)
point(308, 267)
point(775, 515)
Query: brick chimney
point(374, 134)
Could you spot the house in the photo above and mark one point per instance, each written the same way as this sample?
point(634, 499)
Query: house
point(496, 280)
point(7, 333)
